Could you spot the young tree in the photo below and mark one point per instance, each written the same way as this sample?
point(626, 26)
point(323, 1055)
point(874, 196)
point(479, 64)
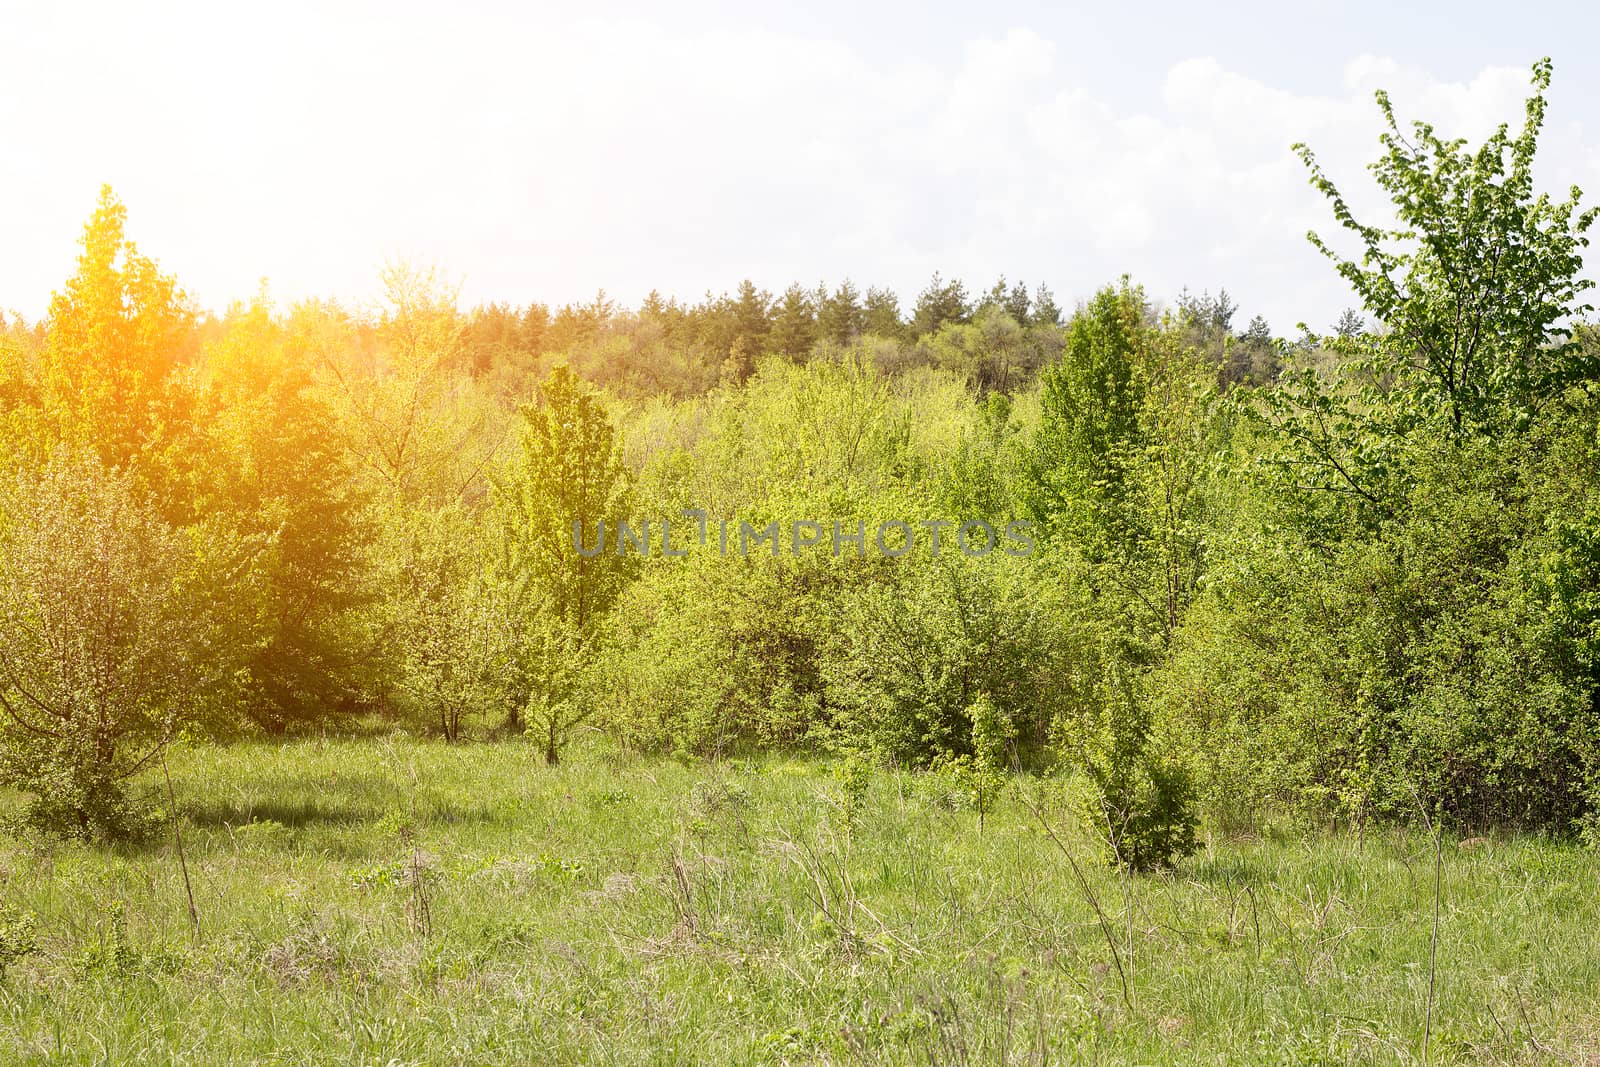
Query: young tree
point(119, 337)
point(104, 645)
point(1089, 425)
point(453, 626)
point(1479, 278)
point(567, 485)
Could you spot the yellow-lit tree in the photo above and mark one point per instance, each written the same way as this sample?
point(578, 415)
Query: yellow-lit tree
point(115, 372)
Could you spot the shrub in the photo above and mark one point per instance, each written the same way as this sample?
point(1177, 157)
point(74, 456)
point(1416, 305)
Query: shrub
point(18, 937)
point(916, 653)
point(1136, 797)
point(104, 648)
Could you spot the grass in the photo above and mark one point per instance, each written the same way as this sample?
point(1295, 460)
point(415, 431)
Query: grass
point(397, 901)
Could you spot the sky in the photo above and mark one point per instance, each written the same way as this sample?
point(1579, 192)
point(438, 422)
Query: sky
point(546, 152)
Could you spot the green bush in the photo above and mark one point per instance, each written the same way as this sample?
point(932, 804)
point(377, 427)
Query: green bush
point(18, 937)
point(916, 652)
point(1134, 794)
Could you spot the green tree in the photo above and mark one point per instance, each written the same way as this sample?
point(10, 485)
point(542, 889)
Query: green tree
point(1479, 277)
point(120, 337)
point(567, 488)
point(752, 317)
point(881, 314)
point(414, 430)
point(1045, 310)
point(794, 324)
point(104, 641)
point(454, 629)
point(276, 477)
point(940, 303)
point(1089, 425)
point(841, 318)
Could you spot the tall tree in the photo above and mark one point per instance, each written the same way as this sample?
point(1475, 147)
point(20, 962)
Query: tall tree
point(794, 324)
point(841, 317)
point(1089, 426)
point(567, 484)
point(276, 477)
point(120, 337)
point(752, 316)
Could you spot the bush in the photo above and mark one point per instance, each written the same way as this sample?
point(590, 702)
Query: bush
point(1135, 795)
point(1448, 656)
point(916, 653)
point(713, 654)
point(18, 937)
point(104, 647)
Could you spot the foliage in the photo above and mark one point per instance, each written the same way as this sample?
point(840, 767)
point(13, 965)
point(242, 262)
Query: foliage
point(919, 651)
point(103, 640)
point(1477, 281)
point(555, 562)
point(1139, 799)
point(18, 937)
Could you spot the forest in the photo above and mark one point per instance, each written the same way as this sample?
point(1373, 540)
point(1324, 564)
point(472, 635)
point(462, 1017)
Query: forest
point(1299, 586)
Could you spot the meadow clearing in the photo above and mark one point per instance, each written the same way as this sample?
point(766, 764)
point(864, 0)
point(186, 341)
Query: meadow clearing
point(388, 900)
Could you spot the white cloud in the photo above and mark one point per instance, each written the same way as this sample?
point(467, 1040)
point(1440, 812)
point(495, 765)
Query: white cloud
point(549, 159)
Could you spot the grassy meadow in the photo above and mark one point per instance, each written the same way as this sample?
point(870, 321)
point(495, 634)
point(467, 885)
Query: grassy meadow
point(398, 901)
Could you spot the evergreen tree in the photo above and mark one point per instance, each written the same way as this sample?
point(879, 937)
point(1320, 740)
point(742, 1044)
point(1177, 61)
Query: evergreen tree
point(841, 317)
point(794, 324)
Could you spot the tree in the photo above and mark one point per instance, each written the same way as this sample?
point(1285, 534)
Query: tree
point(104, 644)
point(990, 352)
point(566, 489)
point(752, 316)
point(794, 326)
point(940, 303)
point(405, 415)
point(882, 314)
point(1045, 310)
point(1089, 425)
point(119, 336)
point(1350, 325)
point(276, 477)
point(1476, 282)
point(454, 628)
point(1387, 634)
point(1252, 357)
point(841, 318)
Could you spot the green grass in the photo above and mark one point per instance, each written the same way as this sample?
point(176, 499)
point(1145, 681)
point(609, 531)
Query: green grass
point(394, 901)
